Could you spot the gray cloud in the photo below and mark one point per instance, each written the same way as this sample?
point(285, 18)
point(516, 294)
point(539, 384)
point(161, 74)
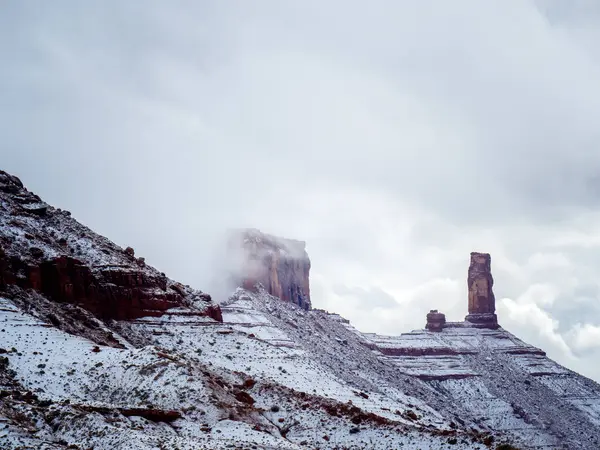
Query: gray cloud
point(394, 139)
point(369, 298)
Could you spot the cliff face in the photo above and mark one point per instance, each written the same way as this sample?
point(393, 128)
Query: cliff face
point(482, 303)
point(45, 249)
point(281, 265)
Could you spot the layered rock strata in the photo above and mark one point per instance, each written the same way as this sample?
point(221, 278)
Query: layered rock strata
point(45, 249)
point(482, 303)
point(280, 265)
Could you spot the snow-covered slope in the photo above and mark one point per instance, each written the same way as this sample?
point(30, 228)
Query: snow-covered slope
point(273, 369)
point(155, 370)
point(195, 384)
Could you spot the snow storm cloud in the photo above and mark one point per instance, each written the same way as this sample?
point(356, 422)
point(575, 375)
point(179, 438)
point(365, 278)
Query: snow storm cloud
point(393, 137)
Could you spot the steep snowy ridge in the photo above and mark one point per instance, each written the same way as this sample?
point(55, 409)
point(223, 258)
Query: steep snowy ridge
point(45, 249)
point(99, 350)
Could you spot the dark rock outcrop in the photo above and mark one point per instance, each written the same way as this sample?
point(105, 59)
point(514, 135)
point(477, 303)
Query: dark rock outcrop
point(45, 249)
point(109, 293)
point(153, 414)
point(214, 312)
point(3, 269)
point(482, 303)
point(116, 293)
point(435, 320)
point(281, 265)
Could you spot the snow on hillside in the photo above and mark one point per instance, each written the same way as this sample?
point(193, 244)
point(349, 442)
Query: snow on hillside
point(90, 394)
point(273, 375)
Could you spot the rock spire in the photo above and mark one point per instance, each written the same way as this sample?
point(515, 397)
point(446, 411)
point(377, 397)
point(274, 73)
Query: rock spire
point(482, 303)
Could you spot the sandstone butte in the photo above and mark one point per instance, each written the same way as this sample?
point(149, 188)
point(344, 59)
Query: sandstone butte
point(281, 266)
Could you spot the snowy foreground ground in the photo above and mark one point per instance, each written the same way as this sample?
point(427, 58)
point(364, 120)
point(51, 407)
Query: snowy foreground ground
point(274, 376)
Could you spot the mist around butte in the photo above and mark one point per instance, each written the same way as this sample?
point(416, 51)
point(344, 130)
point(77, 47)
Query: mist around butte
point(393, 141)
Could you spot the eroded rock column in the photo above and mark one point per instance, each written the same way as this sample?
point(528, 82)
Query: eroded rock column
point(280, 265)
point(482, 303)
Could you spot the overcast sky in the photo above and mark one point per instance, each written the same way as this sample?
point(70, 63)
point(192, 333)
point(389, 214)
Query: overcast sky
point(393, 136)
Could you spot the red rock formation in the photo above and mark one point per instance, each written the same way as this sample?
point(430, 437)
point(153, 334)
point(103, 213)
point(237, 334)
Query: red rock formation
point(482, 303)
point(214, 312)
point(104, 279)
point(435, 320)
point(113, 293)
point(281, 265)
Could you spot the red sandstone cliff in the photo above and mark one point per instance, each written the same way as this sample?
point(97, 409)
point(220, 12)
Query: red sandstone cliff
point(45, 249)
point(281, 265)
point(482, 303)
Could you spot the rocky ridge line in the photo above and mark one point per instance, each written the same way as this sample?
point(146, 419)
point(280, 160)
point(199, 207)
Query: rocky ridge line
point(45, 250)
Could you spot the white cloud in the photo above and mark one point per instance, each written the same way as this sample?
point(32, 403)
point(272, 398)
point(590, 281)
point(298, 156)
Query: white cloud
point(585, 337)
point(530, 317)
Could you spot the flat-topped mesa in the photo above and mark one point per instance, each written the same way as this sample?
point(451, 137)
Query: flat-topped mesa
point(280, 265)
point(482, 303)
